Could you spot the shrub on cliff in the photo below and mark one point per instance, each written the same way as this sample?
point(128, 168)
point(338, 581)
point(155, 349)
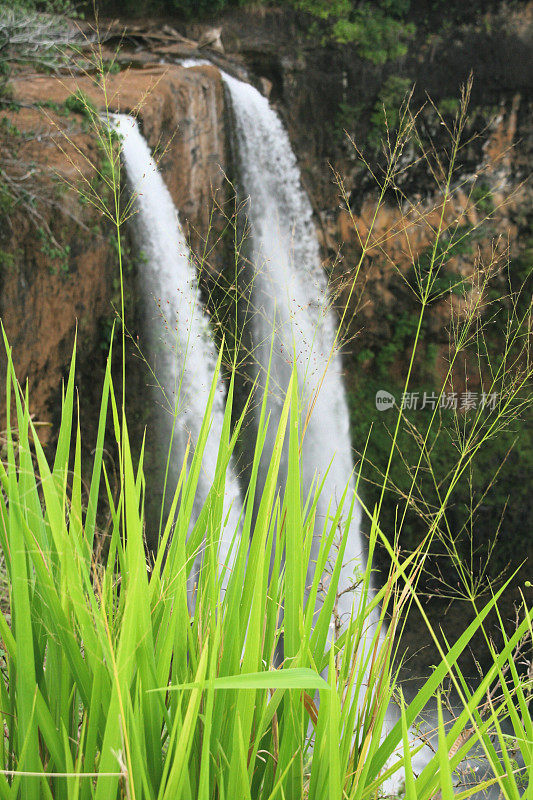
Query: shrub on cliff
point(379, 30)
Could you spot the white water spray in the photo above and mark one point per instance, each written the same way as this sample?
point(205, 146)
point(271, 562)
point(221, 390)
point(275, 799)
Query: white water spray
point(179, 345)
point(290, 297)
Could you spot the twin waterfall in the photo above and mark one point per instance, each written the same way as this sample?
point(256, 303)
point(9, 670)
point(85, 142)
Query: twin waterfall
point(290, 315)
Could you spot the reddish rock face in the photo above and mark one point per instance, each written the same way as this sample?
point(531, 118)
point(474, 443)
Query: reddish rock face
point(60, 273)
point(487, 200)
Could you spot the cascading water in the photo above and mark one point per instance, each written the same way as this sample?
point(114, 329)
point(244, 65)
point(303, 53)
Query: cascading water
point(290, 297)
point(290, 300)
point(179, 346)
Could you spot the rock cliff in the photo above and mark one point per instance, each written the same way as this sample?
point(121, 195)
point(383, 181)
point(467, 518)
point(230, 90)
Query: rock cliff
point(60, 257)
point(60, 271)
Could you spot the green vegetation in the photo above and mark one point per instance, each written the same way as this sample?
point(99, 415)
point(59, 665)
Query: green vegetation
point(431, 273)
point(492, 499)
point(112, 688)
point(457, 360)
point(7, 260)
point(449, 106)
point(379, 29)
point(386, 114)
point(6, 198)
point(383, 116)
point(482, 196)
point(58, 256)
point(79, 103)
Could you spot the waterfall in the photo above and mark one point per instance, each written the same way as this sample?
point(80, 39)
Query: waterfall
point(178, 341)
point(290, 297)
